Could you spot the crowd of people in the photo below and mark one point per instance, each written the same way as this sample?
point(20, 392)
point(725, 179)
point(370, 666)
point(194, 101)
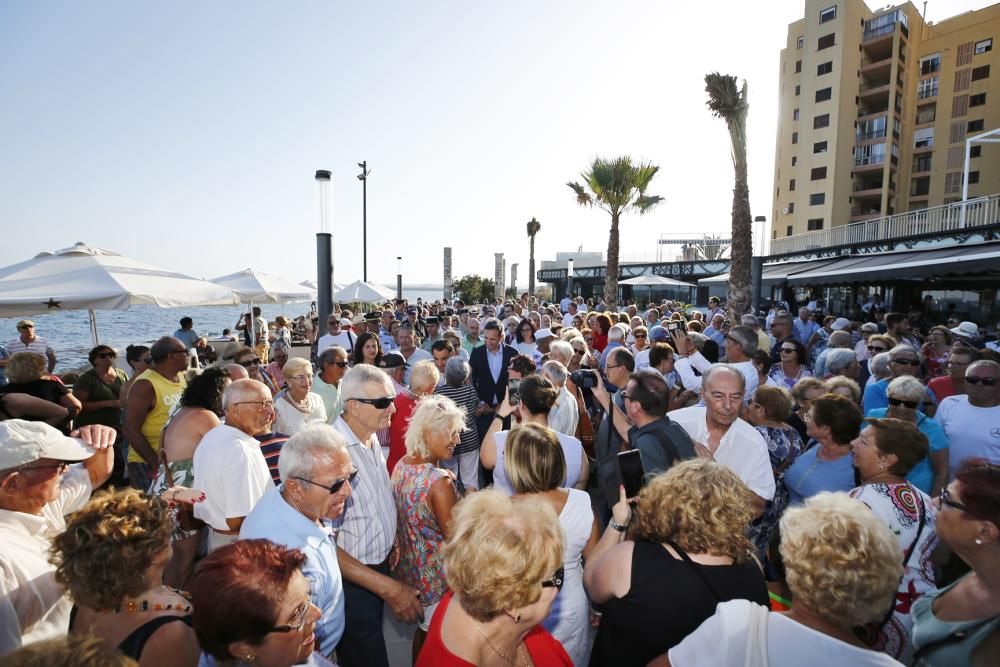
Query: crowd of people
point(522, 482)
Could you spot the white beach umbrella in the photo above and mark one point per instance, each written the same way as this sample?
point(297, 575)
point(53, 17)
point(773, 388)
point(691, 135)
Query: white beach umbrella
point(362, 292)
point(86, 278)
point(259, 287)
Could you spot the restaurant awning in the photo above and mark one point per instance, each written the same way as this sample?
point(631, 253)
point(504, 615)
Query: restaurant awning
point(901, 266)
point(773, 274)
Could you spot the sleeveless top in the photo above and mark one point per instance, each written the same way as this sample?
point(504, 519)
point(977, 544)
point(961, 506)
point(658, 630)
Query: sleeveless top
point(928, 629)
point(136, 641)
point(572, 450)
point(168, 394)
point(666, 602)
point(417, 532)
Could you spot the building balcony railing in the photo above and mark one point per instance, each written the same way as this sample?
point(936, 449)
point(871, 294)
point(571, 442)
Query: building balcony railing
point(950, 217)
point(878, 32)
point(874, 134)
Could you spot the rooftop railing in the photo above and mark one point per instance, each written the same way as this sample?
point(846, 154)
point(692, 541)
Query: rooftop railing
point(947, 218)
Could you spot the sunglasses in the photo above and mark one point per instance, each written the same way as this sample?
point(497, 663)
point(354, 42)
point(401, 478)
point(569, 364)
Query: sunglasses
point(912, 405)
point(989, 382)
point(906, 362)
point(640, 335)
point(60, 467)
point(337, 484)
point(377, 403)
point(788, 349)
point(946, 500)
point(875, 348)
point(250, 362)
point(557, 579)
point(105, 355)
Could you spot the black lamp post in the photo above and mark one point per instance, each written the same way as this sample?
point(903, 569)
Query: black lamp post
point(363, 177)
point(324, 247)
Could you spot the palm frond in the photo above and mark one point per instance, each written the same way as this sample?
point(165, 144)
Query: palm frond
point(583, 197)
point(644, 203)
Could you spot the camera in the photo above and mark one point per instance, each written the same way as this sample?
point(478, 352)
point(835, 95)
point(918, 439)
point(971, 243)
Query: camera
point(584, 378)
point(513, 389)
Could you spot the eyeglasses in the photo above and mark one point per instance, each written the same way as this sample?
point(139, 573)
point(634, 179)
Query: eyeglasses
point(299, 619)
point(105, 355)
point(788, 349)
point(627, 397)
point(556, 581)
point(912, 405)
point(610, 366)
point(989, 382)
point(337, 484)
point(945, 498)
point(302, 378)
point(249, 362)
point(26, 326)
point(261, 405)
point(59, 467)
point(906, 362)
point(377, 403)
point(640, 335)
point(875, 348)
point(339, 364)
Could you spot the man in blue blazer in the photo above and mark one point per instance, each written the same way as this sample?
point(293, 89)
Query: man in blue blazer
point(489, 373)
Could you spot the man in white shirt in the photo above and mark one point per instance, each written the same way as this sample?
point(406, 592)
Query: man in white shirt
point(567, 320)
point(720, 434)
point(565, 413)
point(27, 341)
point(408, 348)
point(228, 464)
point(38, 488)
point(972, 420)
point(740, 345)
point(336, 335)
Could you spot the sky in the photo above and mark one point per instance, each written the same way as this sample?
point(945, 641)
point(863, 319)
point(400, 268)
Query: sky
point(187, 134)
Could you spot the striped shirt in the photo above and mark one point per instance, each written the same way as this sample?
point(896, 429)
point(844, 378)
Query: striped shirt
point(39, 346)
point(367, 528)
point(270, 447)
point(465, 397)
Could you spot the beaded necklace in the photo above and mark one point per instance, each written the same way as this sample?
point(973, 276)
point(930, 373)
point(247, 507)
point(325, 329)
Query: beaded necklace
point(141, 605)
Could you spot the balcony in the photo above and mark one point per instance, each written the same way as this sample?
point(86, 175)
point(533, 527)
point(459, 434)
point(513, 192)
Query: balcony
point(940, 219)
point(862, 137)
point(869, 190)
point(869, 163)
point(923, 148)
point(861, 215)
point(877, 69)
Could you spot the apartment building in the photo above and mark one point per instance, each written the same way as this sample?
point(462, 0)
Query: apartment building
point(875, 108)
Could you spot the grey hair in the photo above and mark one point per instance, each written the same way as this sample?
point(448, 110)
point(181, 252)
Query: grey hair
point(241, 389)
point(358, 376)
point(456, 372)
point(907, 388)
point(839, 339)
point(556, 372)
point(434, 412)
point(715, 369)
point(617, 332)
point(839, 358)
point(314, 445)
point(562, 350)
point(879, 365)
point(330, 355)
point(745, 338)
point(749, 320)
point(896, 351)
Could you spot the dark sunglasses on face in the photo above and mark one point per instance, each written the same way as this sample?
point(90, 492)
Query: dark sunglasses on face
point(105, 355)
point(556, 581)
point(912, 405)
point(250, 362)
point(377, 403)
point(875, 348)
point(788, 349)
point(906, 362)
point(989, 382)
point(337, 484)
point(339, 364)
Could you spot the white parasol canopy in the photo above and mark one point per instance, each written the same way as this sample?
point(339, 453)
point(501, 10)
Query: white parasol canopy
point(258, 287)
point(362, 292)
point(654, 281)
point(87, 278)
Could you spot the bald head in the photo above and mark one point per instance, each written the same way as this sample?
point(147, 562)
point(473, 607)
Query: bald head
point(839, 339)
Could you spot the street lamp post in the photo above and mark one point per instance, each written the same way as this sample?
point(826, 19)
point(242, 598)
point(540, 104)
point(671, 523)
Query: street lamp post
point(324, 247)
point(399, 277)
point(363, 177)
point(757, 268)
point(569, 277)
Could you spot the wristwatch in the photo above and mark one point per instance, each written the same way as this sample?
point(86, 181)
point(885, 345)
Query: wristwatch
point(620, 527)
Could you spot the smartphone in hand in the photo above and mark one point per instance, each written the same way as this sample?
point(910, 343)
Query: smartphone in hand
point(630, 464)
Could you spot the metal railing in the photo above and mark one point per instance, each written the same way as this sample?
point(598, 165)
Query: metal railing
point(949, 217)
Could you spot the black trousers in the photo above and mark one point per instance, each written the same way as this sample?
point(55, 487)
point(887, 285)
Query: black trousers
point(363, 644)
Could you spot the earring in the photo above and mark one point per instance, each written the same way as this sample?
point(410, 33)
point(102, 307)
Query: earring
point(250, 659)
point(515, 617)
point(978, 541)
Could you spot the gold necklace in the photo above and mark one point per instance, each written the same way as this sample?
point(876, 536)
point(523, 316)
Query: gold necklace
point(517, 649)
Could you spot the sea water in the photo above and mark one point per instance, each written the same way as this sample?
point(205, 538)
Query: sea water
point(68, 331)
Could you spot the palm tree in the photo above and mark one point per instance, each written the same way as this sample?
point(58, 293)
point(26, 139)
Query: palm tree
point(729, 103)
point(617, 186)
point(533, 228)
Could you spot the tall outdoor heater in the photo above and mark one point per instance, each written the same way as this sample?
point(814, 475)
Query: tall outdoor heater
point(324, 247)
point(399, 277)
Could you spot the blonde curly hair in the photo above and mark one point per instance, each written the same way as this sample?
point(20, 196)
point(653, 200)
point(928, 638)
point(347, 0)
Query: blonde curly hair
point(107, 547)
point(841, 561)
point(499, 552)
point(433, 413)
point(700, 505)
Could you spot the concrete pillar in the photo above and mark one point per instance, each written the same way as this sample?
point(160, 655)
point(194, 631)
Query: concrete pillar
point(513, 279)
point(498, 274)
point(447, 274)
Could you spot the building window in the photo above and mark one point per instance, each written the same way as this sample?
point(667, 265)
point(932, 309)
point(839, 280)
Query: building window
point(828, 14)
point(976, 151)
point(973, 177)
point(795, 137)
point(788, 230)
point(823, 94)
point(975, 126)
point(922, 163)
point(817, 199)
point(824, 68)
point(977, 100)
point(815, 224)
point(798, 89)
point(791, 185)
point(795, 160)
point(871, 129)
point(980, 72)
point(817, 174)
point(821, 121)
point(923, 138)
point(800, 42)
point(790, 208)
point(930, 64)
point(926, 114)
point(927, 88)
point(872, 154)
point(953, 183)
point(795, 114)
point(825, 42)
point(798, 66)
point(819, 147)
point(981, 47)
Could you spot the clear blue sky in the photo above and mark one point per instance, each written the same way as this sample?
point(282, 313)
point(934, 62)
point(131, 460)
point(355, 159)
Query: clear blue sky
point(186, 134)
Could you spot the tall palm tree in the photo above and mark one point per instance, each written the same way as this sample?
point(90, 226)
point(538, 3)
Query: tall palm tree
point(729, 103)
point(617, 186)
point(533, 228)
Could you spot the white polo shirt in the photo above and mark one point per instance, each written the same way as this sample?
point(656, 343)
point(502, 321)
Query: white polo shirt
point(33, 607)
point(230, 468)
point(742, 449)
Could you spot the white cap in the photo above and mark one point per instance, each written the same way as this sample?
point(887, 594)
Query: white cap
point(23, 442)
point(544, 333)
point(966, 330)
point(344, 322)
point(840, 324)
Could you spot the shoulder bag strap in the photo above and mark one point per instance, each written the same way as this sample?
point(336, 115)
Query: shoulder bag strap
point(697, 571)
point(908, 554)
